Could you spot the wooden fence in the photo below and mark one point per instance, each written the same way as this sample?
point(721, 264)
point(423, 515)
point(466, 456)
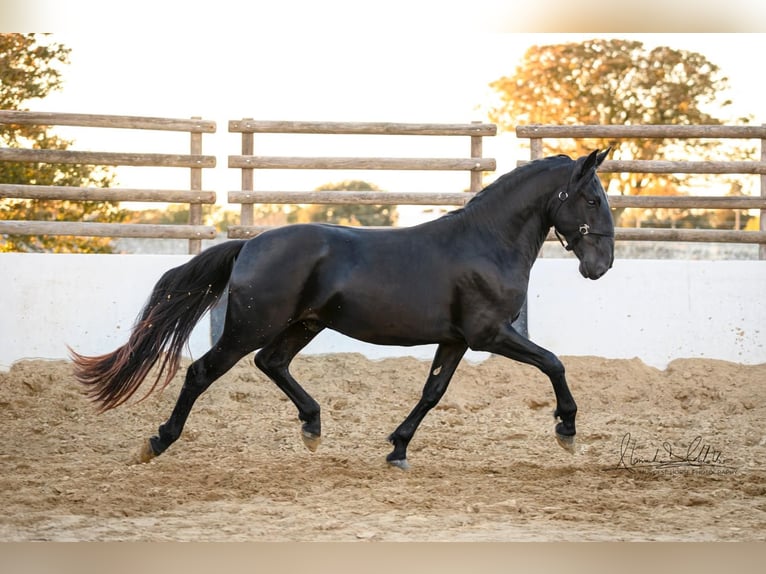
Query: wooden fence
point(195, 231)
point(536, 134)
point(248, 163)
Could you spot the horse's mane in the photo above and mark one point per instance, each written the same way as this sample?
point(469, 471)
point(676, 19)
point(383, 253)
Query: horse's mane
point(509, 181)
point(515, 176)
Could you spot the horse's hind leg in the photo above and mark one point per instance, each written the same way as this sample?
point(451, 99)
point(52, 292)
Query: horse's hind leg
point(443, 367)
point(274, 360)
point(199, 376)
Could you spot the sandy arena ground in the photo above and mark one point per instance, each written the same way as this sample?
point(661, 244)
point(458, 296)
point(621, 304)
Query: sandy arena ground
point(678, 454)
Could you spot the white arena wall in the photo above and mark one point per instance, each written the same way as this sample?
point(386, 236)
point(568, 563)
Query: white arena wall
point(655, 310)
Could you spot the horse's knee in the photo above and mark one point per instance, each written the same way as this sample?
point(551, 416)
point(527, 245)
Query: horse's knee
point(553, 367)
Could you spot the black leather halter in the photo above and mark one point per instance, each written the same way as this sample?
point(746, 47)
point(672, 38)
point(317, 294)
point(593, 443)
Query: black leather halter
point(583, 230)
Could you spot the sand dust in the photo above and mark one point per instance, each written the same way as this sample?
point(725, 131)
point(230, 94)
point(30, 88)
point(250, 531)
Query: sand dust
point(485, 465)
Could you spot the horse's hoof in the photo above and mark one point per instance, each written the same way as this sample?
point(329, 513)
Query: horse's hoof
point(401, 464)
point(311, 440)
point(566, 442)
point(144, 454)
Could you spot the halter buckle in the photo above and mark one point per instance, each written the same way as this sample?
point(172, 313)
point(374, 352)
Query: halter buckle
point(584, 229)
point(563, 195)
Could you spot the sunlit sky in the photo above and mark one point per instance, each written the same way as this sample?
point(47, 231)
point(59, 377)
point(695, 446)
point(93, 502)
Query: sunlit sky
point(273, 70)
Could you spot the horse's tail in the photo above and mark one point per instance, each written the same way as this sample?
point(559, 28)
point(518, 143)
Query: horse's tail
point(179, 300)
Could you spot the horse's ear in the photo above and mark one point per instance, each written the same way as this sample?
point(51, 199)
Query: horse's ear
point(587, 165)
point(600, 157)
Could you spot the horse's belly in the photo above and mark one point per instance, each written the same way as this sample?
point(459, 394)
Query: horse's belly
point(389, 323)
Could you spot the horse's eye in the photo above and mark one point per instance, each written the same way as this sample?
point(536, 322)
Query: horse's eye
point(592, 202)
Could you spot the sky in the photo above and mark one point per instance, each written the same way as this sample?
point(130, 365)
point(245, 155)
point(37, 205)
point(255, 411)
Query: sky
point(326, 61)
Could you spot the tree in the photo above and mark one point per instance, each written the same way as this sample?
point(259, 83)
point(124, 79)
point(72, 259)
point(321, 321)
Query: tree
point(615, 82)
point(30, 69)
point(347, 214)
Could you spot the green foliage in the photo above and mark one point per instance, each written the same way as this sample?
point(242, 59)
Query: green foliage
point(616, 82)
point(29, 69)
point(347, 214)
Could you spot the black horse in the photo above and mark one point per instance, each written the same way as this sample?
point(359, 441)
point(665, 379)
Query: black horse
point(458, 281)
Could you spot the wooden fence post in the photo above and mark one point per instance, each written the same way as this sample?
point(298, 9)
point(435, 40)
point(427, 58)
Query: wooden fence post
point(476, 151)
point(246, 210)
point(195, 209)
point(218, 310)
point(535, 148)
point(762, 212)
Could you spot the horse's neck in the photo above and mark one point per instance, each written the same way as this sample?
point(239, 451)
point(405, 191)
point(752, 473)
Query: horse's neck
point(517, 218)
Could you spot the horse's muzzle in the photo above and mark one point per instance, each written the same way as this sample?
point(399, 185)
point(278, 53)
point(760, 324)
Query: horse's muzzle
point(594, 269)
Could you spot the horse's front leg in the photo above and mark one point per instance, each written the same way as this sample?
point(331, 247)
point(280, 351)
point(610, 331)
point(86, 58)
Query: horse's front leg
point(509, 343)
point(443, 367)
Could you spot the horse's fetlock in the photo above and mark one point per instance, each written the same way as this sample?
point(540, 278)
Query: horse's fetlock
point(311, 415)
point(157, 445)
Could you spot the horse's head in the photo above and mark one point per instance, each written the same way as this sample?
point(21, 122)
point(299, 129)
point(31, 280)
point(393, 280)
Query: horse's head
point(583, 217)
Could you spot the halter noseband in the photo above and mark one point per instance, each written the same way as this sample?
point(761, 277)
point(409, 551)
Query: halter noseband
point(583, 230)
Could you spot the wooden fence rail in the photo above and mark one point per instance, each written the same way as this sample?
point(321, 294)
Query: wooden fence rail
point(195, 161)
point(59, 192)
point(105, 158)
point(92, 229)
point(247, 162)
point(390, 163)
point(459, 198)
point(193, 125)
point(361, 128)
point(536, 134)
